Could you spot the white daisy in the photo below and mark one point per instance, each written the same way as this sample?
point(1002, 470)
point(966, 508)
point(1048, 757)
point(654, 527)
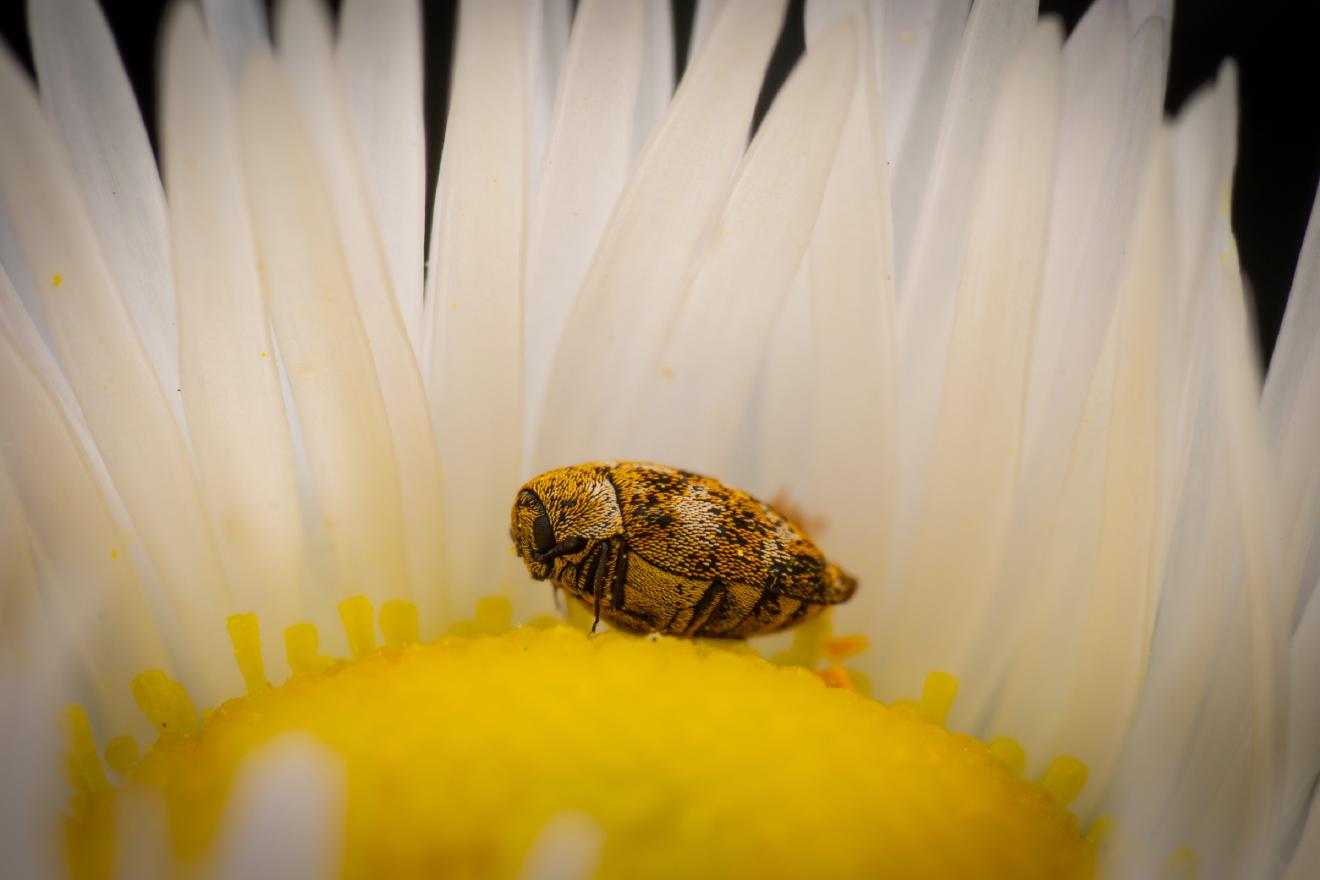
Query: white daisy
point(966, 302)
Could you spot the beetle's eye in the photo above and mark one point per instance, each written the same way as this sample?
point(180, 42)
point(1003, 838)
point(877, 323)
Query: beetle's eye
point(542, 534)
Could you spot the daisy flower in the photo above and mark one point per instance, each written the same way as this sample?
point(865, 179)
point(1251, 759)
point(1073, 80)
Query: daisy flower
point(966, 305)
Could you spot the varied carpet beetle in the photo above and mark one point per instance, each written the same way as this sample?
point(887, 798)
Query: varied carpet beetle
point(654, 549)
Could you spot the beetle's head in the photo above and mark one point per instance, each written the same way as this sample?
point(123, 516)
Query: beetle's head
point(563, 513)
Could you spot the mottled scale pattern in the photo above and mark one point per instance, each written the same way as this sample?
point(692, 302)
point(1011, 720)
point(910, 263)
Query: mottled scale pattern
point(651, 548)
point(698, 527)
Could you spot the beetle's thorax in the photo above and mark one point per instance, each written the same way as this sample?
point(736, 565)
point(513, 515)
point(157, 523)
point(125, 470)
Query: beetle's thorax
point(580, 501)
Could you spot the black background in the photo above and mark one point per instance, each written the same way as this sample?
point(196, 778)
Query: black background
point(1276, 44)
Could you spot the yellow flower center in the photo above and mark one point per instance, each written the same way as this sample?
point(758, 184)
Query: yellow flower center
point(693, 760)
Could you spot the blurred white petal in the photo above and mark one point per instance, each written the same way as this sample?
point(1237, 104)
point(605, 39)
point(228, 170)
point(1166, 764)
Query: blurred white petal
point(920, 44)
point(929, 247)
point(586, 164)
point(1291, 408)
point(475, 374)
point(235, 408)
point(567, 848)
point(142, 843)
point(976, 444)
point(285, 815)
point(325, 349)
point(657, 85)
point(684, 411)
point(851, 275)
point(237, 28)
point(1305, 860)
point(305, 52)
point(1292, 411)
point(87, 95)
point(548, 24)
point(33, 792)
point(703, 19)
point(92, 594)
point(116, 386)
point(19, 601)
point(379, 57)
point(634, 288)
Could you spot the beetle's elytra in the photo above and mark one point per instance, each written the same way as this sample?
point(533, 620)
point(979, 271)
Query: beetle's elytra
point(654, 549)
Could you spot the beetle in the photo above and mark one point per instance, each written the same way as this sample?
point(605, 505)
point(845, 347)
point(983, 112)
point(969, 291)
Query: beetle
point(655, 549)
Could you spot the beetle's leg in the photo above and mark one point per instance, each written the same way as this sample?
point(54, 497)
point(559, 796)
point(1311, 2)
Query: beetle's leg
point(571, 544)
point(618, 573)
point(598, 580)
point(803, 609)
point(769, 593)
point(711, 601)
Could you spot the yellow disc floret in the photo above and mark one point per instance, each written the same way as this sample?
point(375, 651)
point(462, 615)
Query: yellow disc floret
point(693, 761)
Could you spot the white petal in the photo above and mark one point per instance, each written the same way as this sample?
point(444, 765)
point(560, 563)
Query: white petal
point(586, 164)
point(475, 380)
point(1042, 618)
point(142, 844)
point(285, 815)
point(1196, 682)
point(1203, 147)
point(1303, 758)
point(33, 790)
point(91, 593)
point(703, 22)
point(548, 26)
point(929, 252)
point(304, 38)
point(657, 85)
point(18, 572)
point(1115, 602)
point(1250, 684)
point(238, 28)
point(1292, 412)
point(116, 386)
point(322, 341)
point(1095, 77)
point(634, 288)
point(88, 97)
point(1139, 11)
point(976, 439)
point(14, 263)
point(921, 44)
point(852, 290)
point(1233, 367)
point(425, 356)
point(34, 348)
point(1204, 150)
point(1092, 213)
point(1305, 861)
point(567, 848)
point(231, 384)
point(692, 403)
point(776, 439)
point(380, 61)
